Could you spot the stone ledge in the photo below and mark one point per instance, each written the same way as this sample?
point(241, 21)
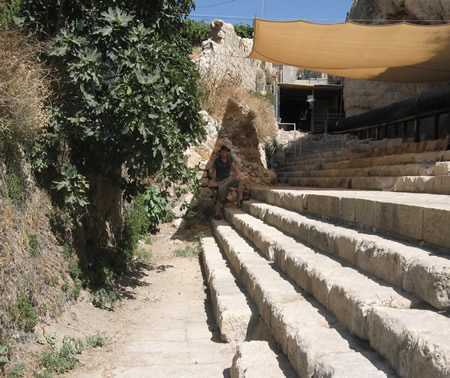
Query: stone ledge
point(256, 359)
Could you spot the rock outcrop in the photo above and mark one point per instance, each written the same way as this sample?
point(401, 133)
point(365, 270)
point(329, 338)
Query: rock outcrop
point(361, 95)
point(224, 55)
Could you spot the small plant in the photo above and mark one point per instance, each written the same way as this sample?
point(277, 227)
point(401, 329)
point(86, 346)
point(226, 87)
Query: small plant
point(76, 290)
point(54, 280)
point(17, 371)
point(24, 314)
point(157, 207)
point(143, 254)
point(187, 251)
point(65, 285)
point(191, 250)
point(7, 14)
point(3, 357)
point(67, 251)
point(33, 243)
point(148, 240)
point(104, 298)
point(98, 340)
point(65, 359)
point(15, 189)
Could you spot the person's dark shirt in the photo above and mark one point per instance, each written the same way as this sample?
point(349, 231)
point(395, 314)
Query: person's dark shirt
point(222, 169)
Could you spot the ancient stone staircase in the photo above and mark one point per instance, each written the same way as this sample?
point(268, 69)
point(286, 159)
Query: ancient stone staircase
point(332, 282)
point(409, 167)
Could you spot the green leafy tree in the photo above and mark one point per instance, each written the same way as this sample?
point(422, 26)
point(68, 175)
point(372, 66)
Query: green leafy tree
point(48, 17)
point(243, 30)
point(195, 32)
point(129, 103)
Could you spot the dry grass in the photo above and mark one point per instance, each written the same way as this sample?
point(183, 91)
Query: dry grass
point(24, 87)
point(216, 90)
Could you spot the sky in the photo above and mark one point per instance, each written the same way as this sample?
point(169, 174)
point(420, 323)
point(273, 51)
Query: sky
point(244, 11)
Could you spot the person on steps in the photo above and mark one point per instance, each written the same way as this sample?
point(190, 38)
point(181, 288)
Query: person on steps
point(222, 179)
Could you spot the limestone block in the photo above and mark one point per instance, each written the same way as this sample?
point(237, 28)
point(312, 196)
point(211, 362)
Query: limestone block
point(323, 206)
point(441, 185)
point(415, 342)
point(256, 359)
point(233, 314)
point(436, 227)
point(442, 168)
point(357, 211)
point(373, 183)
point(399, 219)
point(410, 184)
point(429, 280)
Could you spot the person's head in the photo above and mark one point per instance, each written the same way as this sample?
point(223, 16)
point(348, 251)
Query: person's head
point(224, 150)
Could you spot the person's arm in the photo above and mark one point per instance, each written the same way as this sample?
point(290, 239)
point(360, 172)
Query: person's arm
point(235, 170)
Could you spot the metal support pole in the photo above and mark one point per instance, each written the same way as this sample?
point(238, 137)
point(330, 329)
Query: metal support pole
point(417, 130)
point(436, 126)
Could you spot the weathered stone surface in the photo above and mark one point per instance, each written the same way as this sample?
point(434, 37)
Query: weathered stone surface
point(308, 341)
point(234, 315)
point(239, 133)
point(405, 266)
point(343, 291)
point(224, 55)
point(399, 337)
point(256, 359)
point(441, 168)
point(436, 224)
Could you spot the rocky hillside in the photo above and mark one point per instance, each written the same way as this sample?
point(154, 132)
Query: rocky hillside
point(361, 95)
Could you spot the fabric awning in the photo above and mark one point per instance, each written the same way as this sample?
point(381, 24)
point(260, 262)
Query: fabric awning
point(396, 53)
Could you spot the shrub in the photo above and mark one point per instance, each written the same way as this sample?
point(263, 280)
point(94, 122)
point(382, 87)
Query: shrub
point(195, 32)
point(63, 360)
point(243, 30)
point(104, 298)
point(24, 313)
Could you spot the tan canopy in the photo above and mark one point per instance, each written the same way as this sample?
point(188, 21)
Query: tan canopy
point(396, 53)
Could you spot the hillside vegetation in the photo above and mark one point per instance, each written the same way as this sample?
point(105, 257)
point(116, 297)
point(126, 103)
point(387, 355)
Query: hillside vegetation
point(98, 102)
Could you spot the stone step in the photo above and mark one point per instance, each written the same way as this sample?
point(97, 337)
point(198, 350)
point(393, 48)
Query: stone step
point(421, 218)
point(236, 317)
point(399, 159)
point(386, 170)
point(415, 342)
point(353, 297)
point(366, 152)
point(342, 290)
point(411, 184)
point(256, 359)
point(413, 269)
point(314, 344)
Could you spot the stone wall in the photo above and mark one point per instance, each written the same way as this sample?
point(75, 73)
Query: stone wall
point(361, 95)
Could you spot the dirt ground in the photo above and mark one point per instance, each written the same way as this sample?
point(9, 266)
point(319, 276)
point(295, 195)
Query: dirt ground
point(163, 326)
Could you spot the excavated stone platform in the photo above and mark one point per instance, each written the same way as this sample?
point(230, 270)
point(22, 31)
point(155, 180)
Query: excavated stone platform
point(418, 217)
point(315, 344)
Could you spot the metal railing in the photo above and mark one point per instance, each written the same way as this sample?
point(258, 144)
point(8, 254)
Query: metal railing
point(399, 128)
